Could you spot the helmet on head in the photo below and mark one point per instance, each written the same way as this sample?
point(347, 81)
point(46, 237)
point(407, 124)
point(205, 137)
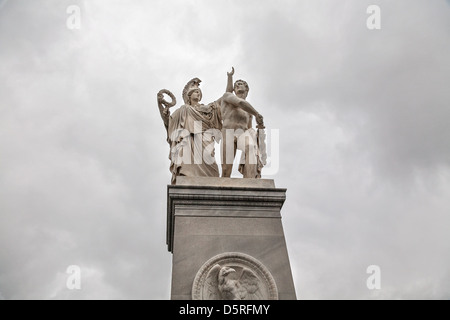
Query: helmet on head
point(192, 85)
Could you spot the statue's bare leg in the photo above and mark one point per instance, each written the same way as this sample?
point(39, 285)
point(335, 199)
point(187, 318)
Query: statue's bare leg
point(228, 152)
point(247, 143)
point(250, 167)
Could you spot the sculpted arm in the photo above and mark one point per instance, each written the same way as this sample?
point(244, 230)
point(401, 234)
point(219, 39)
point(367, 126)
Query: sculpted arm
point(244, 105)
point(239, 103)
point(229, 88)
point(230, 81)
point(164, 106)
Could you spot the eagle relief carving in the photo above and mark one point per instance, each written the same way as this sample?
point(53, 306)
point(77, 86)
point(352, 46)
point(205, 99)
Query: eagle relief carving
point(225, 283)
point(234, 276)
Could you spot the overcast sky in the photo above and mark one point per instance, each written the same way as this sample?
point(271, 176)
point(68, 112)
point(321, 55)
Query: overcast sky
point(363, 117)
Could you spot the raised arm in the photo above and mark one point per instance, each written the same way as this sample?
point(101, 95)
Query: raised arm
point(164, 106)
point(230, 81)
point(229, 88)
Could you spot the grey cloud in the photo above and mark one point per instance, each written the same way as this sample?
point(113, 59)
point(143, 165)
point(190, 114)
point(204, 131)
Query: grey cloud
point(362, 118)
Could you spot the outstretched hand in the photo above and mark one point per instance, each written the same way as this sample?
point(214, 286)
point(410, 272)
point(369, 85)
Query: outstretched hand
point(260, 121)
point(231, 73)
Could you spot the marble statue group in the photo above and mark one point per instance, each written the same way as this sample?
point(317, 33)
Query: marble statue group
point(225, 235)
point(194, 129)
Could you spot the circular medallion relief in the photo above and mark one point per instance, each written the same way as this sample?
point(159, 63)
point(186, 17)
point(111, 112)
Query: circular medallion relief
point(234, 276)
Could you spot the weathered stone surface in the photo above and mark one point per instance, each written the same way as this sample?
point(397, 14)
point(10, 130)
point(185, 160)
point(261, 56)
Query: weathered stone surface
point(225, 182)
point(210, 219)
point(234, 276)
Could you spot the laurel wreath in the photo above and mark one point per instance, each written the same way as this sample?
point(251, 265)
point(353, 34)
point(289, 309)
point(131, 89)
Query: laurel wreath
point(165, 103)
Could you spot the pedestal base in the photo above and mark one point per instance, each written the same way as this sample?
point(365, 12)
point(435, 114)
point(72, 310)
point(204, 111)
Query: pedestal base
point(234, 223)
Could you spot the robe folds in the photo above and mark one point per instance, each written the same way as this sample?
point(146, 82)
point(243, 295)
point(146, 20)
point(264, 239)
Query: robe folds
point(192, 133)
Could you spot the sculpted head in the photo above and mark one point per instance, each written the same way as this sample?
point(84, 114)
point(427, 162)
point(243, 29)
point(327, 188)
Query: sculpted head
point(192, 84)
point(241, 87)
point(225, 271)
point(194, 94)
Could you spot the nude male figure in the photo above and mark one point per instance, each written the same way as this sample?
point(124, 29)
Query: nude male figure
point(237, 131)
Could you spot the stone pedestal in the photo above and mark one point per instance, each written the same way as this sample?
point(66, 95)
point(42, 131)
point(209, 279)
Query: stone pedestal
point(229, 224)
